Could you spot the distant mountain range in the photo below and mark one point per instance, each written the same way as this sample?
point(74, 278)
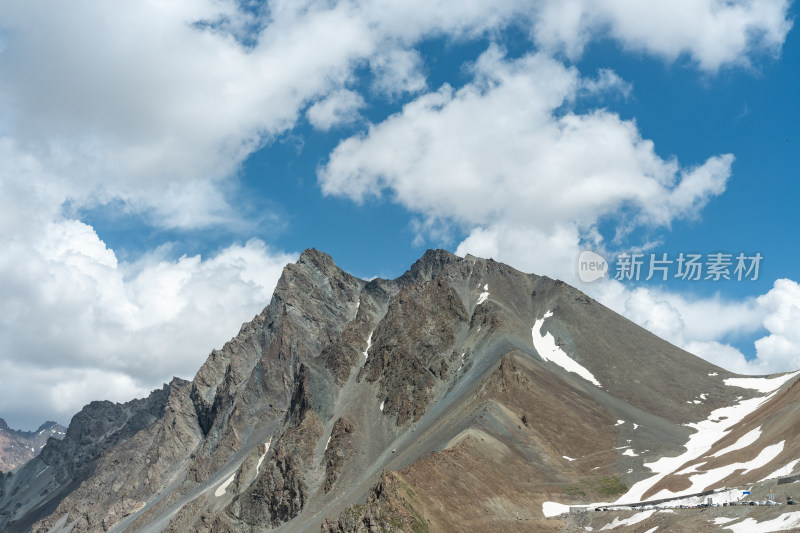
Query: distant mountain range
point(462, 396)
point(19, 447)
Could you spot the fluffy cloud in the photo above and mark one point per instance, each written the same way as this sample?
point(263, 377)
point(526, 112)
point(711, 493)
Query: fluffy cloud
point(116, 100)
point(685, 322)
point(397, 71)
point(498, 151)
point(338, 108)
point(782, 321)
point(711, 33)
point(80, 325)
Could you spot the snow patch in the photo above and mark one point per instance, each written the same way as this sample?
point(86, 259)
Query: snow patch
point(382, 404)
point(619, 422)
point(712, 374)
point(783, 471)
point(630, 453)
point(635, 519)
point(551, 509)
point(635, 425)
point(708, 432)
point(718, 521)
point(763, 385)
point(546, 347)
point(224, 487)
point(567, 458)
point(327, 442)
point(743, 442)
point(651, 530)
point(700, 481)
point(263, 455)
point(784, 522)
point(484, 295)
point(369, 345)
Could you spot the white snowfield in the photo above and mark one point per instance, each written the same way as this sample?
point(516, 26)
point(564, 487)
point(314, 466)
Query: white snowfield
point(484, 295)
point(709, 432)
point(743, 442)
point(548, 350)
point(369, 345)
point(766, 455)
point(782, 471)
point(224, 487)
point(263, 455)
point(785, 522)
point(635, 519)
point(763, 385)
point(551, 509)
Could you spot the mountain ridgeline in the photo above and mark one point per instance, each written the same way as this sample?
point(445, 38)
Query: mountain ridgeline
point(18, 447)
point(462, 396)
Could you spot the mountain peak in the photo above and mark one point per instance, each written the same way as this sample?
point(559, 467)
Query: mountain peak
point(429, 265)
point(401, 396)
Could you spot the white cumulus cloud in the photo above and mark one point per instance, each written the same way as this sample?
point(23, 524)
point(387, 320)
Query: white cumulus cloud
point(498, 151)
point(77, 325)
point(338, 108)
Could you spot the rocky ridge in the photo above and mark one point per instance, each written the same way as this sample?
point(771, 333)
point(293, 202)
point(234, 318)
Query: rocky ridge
point(18, 447)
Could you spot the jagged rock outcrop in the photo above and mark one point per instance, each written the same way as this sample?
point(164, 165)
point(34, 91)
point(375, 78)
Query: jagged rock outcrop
point(390, 507)
point(37, 489)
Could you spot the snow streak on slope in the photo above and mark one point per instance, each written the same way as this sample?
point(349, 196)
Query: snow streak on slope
point(635, 519)
point(224, 487)
point(549, 351)
point(764, 385)
point(743, 442)
point(785, 522)
point(369, 345)
point(263, 455)
point(705, 479)
point(709, 432)
point(782, 471)
point(484, 295)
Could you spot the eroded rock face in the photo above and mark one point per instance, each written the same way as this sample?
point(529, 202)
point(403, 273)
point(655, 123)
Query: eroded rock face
point(338, 449)
point(63, 464)
point(390, 507)
point(412, 345)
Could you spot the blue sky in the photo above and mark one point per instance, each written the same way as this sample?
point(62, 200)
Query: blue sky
point(159, 164)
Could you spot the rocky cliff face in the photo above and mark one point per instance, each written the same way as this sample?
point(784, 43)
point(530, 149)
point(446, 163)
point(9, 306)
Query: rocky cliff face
point(18, 447)
point(459, 396)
